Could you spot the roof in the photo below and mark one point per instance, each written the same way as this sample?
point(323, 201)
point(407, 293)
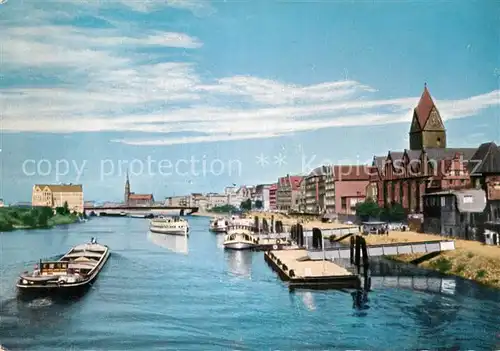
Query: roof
point(140, 196)
point(468, 200)
point(351, 172)
point(424, 107)
point(486, 159)
point(449, 153)
point(319, 171)
point(62, 188)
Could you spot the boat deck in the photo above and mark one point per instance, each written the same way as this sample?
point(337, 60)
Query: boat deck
point(295, 267)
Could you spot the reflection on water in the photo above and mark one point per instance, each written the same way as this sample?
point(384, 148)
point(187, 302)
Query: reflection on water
point(175, 243)
point(239, 262)
point(308, 299)
point(220, 240)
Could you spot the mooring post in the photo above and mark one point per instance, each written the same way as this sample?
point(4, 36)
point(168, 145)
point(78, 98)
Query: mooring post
point(358, 253)
point(366, 265)
point(351, 253)
point(300, 236)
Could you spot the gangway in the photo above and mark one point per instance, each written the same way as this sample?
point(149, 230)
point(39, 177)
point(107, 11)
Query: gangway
point(384, 249)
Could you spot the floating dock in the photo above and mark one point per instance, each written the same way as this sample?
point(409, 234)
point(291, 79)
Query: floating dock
point(294, 267)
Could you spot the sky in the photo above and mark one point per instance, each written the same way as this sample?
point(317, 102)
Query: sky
point(192, 96)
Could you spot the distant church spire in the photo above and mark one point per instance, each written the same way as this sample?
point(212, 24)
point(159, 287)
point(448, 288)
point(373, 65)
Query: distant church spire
point(127, 190)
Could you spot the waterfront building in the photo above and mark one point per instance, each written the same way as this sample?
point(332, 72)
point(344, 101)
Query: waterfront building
point(428, 166)
point(2, 203)
point(216, 200)
point(454, 213)
point(315, 190)
point(55, 195)
point(236, 195)
point(485, 174)
point(175, 201)
point(287, 193)
point(132, 199)
point(301, 198)
point(198, 200)
point(272, 196)
point(349, 188)
point(262, 194)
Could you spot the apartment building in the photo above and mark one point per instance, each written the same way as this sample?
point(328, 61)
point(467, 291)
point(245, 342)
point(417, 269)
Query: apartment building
point(350, 184)
point(272, 196)
point(315, 190)
point(287, 193)
point(262, 194)
point(53, 196)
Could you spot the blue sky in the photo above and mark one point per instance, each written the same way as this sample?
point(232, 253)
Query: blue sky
point(100, 86)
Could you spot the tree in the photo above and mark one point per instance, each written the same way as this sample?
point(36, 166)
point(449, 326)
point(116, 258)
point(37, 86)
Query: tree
point(42, 219)
point(397, 212)
point(47, 211)
point(246, 205)
point(367, 209)
point(28, 219)
point(258, 204)
point(66, 208)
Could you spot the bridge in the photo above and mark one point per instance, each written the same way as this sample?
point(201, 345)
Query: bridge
point(183, 210)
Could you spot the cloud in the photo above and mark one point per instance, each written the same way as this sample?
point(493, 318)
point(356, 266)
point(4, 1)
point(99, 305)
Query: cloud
point(199, 8)
point(98, 80)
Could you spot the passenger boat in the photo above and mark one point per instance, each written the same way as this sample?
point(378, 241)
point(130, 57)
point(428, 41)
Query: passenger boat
point(73, 272)
point(240, 237)
point(169, 225)
point(219, 225)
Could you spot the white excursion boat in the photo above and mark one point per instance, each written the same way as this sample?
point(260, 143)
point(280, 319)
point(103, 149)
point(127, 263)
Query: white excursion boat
point(240, 237)
point(169, 225)
point(219, 225)
point(72, 272)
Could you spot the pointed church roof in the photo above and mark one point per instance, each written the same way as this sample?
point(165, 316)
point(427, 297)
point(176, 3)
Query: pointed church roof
point(424, 107)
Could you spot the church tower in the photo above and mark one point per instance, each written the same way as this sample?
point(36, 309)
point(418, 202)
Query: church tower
point(127, 191)
point(427, 128)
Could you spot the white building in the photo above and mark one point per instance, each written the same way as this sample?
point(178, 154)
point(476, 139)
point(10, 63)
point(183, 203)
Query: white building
point(177, 201)
point(215, 200)
point(262, 194)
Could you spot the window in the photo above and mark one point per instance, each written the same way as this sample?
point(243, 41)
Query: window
point(468, 199)
point(344, 203)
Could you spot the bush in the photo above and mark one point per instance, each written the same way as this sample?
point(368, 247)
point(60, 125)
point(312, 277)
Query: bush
point(28, 219)
point(442, 264)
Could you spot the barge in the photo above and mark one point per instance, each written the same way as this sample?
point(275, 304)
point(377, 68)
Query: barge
point(73, 273)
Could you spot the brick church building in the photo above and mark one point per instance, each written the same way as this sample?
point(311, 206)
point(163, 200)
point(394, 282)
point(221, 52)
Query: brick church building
point(133, 199)
point(427, 166)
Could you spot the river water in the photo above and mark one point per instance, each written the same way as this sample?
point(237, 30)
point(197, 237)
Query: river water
point(161, 293)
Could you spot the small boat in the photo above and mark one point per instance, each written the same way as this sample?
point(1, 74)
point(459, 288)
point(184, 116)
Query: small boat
point(219, 225)
point(73, 272)
point(169, 225)
point(240, 237)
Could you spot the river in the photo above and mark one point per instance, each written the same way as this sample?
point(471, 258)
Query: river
point(160, 293)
